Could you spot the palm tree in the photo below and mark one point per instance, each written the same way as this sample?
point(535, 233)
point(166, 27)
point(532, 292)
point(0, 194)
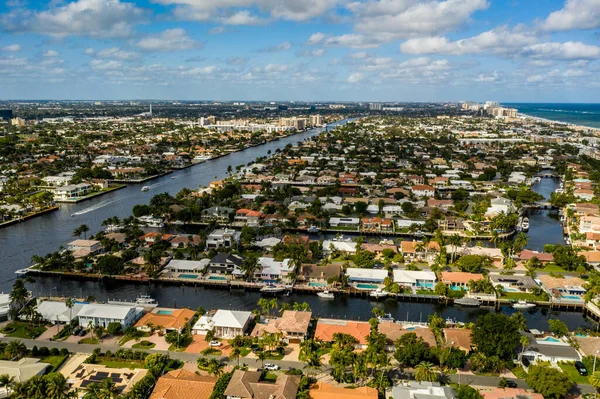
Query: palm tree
point(58, 388)
point(90, 327)
point(236, 353)
point(594, 379)
point(215, 367)
point(520, 241)
point(7, 381)
point(108, 389)
point(210, 335)
point(524, 341)
point(69, 303)
point(19, 294)
point(495, 238)
point(93, 391)
point(455, 240)
point(262, 355)
point(15, 350)
point(425, 372)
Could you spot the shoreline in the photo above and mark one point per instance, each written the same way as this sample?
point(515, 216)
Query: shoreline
point(29, 216)
point(524, 116)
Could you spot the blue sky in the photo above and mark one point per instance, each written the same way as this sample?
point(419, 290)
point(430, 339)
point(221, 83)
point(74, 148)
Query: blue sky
point(345, 50)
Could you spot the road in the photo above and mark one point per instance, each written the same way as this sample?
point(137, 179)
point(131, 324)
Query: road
point(473, 380)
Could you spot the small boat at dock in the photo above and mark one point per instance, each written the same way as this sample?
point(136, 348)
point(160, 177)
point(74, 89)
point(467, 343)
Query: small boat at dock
point(520, 304)
point(468, 302)
point(326, 295)
point(378, 293)
point(386, 318)
point(272, 289)
point(525, 224)
point(22, 272)
point(144, 301)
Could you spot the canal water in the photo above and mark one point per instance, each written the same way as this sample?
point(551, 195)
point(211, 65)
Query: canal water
point(544, 225)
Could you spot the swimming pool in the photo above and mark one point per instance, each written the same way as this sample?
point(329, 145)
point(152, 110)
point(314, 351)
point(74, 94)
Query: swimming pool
point(366, 286)
point(571, 297)
point(317, 285)
point(425, 285)
point(550, 339)
point(456, 288)
point(188, 276)
point(217, 278)
point(510, 289)
point(164, 312)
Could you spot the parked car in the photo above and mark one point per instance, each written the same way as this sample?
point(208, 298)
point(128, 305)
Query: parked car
point(271, 366)
point(511, 384)
point(77, 331)
point(581, 368)
point(82, 333)
point(257, 349)
point(214, 343)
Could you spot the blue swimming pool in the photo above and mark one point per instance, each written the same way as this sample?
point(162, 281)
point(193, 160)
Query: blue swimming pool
point(456, 288)
point(366, 286)
point(188, 276)
point(550, 339)
point(571, 297)
point(425, 285)
point(164, 312)
point(217, 278)
point(317, 285)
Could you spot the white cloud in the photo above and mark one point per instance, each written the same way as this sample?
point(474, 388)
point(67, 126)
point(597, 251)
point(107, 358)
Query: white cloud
point(316, 38)
point(94, 18)
point(277, 48)
point(355, 77)
point(13, 61)
point(203, 71)
point(117, 53)
point(169, 40)
point(499, 41)
point(491, 78)
point(409, 18)
point(101, 65)
point(89, 51)
point(562, 51)
point(361, 55)
point(351, 40)
point(51, 53)
point(312, 53)
point(242, 18)
point(576, 14)
point(12, 48)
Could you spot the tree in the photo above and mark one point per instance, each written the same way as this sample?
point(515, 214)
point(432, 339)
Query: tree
point(495, 335)
point(215, 367)
point(57, 387)
point(262, 356)
point(467, 392)
point(83, 229)
point(558, 327)
point(15, 350)
point(425, 372)
point(594, 379)
point(114, 328)
point(548, 381)
point(236, 353)
point(524, 341)
point(441, 289)
point(19, 294)
point(473, 263)
point(7, 382)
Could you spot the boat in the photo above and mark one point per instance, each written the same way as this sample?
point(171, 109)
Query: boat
point(72, 215)
point(326, 295)
point(520, 304)
point(386, 317)
point(173, 178)
point(145, 188)
point(313, 229)
point(272, 289)
point(22, 272)
point(378, 293)
point(525, 224)
point(144, 301)
point(468, 302)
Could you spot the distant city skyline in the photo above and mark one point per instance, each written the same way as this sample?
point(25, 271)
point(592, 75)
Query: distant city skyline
point(316, 50)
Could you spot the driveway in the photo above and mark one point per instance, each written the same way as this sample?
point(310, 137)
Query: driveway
point(198, 344)
point(50, 332)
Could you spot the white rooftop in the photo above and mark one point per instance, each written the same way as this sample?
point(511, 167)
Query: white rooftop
point(105, 311)
point(223, 318)
point(57, 311)
point(188, 264)
point(404, 276)
point(357, 273)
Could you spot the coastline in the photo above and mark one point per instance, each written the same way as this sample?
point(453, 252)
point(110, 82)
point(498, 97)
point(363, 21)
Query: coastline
point(524, 116)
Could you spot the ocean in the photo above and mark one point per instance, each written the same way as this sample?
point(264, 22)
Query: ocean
point(578, 114)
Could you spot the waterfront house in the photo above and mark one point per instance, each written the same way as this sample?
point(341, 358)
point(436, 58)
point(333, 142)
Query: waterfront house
point(327, 328)
point(336, 222)
point(72, 191)
point(83, 248)
point(459, 338)
point(223, 238)
point(224, 323)
point(101, 315)
point(513, 283)
point(165, 320)
point(292, 324)
point(56, 312)
point(418, 279)
point(460, 279)
point(183, 384)
point(544, 350)
point(359, 275)
point(23, 369)
point(498, 206)
point(420, 390)
point(568, 288)
point(413, 250)
point(317, 274)
point(394, 331)
point(247, 217)
point(527, 254)
point(322, 390)
point(247, 385)
point(224, 263)
point(187, 266)
point(377, 224)
point(330, 246)
point(378, 248)
point(219, 214)
point(271, 270)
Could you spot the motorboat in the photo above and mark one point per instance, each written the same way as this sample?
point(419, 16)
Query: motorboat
point(525, 224)
point(145, 188)
point(468, 302)
point(173, 178)
point(520, 304)
point(325, 295)
point(144, 301)
point(22, 272)
point(313, 229)
point(378, 293)
point(386, 317)
point(272, 289)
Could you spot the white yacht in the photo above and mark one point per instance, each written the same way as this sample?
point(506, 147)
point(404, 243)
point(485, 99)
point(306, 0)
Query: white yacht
point(520, 304)
point(144, 301)
point(525, 224)
point(378, 293)
point(386, 317)
point(22, 272)
point(145, 188)
point(326, 295)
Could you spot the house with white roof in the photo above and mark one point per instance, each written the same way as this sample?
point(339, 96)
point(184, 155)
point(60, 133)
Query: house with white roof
point(341, 246)
point(101, 314)
point(224, 323)
point(500, 205)
point(187, 266)
point(23, 369)
point(344, 222)
point(57, 312)
point(359, 275)
point(274, 270)
point(413, 278)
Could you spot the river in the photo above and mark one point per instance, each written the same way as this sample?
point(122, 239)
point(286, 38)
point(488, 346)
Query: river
point(544, 225)
point(46, 233)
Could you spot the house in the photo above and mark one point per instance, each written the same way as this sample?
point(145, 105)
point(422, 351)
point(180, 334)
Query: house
point(165, 320)
point(327, 328)
point(589, 223)
point(330, 246)
point(187, 266)
point(394, 331)
point(83, 248)
point(154, 237)
point(183, 384)
point(218, 214)
point(224, 323)
point(183, 241)
point(460, 279)
point(527, 254)
point(418, 279)
point(23, 369)
point(267, 243)
point(420, 390)
point(72, 191)
point(322, 390)
point(101, 315)
point(58, 312)
point(500, 205)
point(271, 270)
point(508, 393)
point(316, 274)
point(247, 217)
point(223, 238)
point(559, 287)
point(344, 222)
point(247, 385)
point(377, 224)
point(591, 257)
point(378, 248)
point(358, 275)
point(224, 263)
point(412, 250)
point(292, 324)
point(543, 350)
point(513, 283)
point(459, 338)
point(423, 190)
point(592, 240)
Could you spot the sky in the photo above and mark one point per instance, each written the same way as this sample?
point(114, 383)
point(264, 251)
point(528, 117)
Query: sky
point(310, 50)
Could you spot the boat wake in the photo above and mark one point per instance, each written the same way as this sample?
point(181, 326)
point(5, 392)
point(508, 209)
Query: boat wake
point(99, 205)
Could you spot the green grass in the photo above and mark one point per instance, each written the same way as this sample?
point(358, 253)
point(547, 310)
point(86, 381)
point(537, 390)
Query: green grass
point(519, 372)
point(123, 364)
point(274, 356)
point(270, 377)
point(552, 267)
point(127, 338)
point(523, 296)
point(570, 370)
point(55, 361)
point(211, 352)
point(425, 292)
point(19, 329)
point(90, 341)
point(245, 351)
point(144, 345)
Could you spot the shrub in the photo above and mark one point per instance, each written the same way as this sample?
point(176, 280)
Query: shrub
point(54, 352)
point(44, 351)
point(64, 352)
point(35, 351)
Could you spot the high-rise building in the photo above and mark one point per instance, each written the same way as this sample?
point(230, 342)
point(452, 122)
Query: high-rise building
point(6, 114)
point(375, 106)
point(17, 122)
point(316, 120)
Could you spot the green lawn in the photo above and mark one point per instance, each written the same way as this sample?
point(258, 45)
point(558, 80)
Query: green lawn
point(19, 329)
point(270, 377)
point(127, 338)
point(519, 372)
point(144, 345)
point(245, 351)
point(55, 361)
point(552, 267)
point(211, 352)
point(523, 296)
point(570, 370)
point(123, 364)
point(425, 292)
point(88, 340)
point(274, 356)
